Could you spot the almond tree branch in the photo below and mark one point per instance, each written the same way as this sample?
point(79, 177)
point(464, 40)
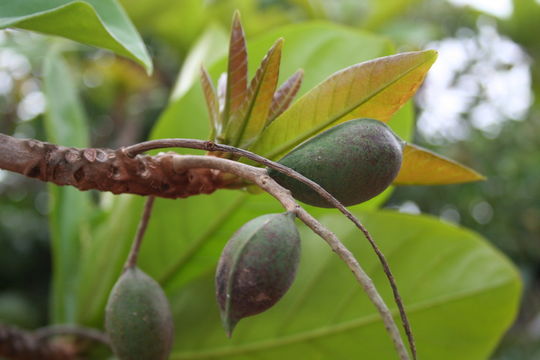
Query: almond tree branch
point(126, 171)
point(105, 169)
point(211, 146)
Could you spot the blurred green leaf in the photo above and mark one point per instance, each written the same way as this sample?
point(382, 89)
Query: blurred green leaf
point(102, 259)
point(65, 124)
point(461, 295)
point(210, 47)
point(373, 89)
point(383, 11)
point(100, 23)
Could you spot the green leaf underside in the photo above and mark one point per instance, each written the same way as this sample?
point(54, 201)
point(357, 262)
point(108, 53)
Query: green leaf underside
point(373, 89)
point(253, 116)
point(460, 294)
point(101, 23)
point(237, 71)
point(423, 167)
point(285, 95)
point(65, 124)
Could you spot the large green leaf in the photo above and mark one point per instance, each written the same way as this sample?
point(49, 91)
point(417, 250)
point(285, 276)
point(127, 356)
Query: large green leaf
point(185, 236)
point(460, 293)
point(65, 124)
point(102, 23)
point(373, 89)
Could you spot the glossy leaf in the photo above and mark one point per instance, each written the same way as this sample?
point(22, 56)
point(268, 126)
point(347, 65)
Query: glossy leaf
point(423, 167)
point(254, 114)
point(101, 23)
point(460, 293)
point(285, 95)
point(237, 71)
point(373, 89)
point(65, 123)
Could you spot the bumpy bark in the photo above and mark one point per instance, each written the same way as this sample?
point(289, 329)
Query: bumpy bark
point(106, 169)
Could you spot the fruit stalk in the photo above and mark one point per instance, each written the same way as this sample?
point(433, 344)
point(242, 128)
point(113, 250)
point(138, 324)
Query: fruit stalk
point(136, 245)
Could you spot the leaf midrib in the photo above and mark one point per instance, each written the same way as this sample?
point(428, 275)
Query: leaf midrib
point(291, 143)
point(309, 335)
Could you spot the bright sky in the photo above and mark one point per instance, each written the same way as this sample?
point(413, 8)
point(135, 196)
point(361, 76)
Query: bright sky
point(500, 8)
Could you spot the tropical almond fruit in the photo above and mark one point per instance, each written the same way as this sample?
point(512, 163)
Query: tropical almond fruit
point(257, 266)
point(138, 318)
point(354, 161)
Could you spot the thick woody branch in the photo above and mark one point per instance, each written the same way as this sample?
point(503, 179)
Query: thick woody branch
point(105, 169)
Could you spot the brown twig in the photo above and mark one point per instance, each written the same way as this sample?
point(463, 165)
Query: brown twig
point(72, 330)
point(143, 223)
point(211, 146)
point(17, 344)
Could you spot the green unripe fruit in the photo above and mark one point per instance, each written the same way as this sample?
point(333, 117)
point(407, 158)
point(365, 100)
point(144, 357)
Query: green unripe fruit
point(138, 318)
point(354, 161)
point(257, 267)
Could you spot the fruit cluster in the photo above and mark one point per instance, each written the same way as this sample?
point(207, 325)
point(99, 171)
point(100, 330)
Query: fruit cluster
point(353, 161)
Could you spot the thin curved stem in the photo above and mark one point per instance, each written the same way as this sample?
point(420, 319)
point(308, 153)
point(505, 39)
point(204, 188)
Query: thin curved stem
point(74, 330)
point(260, 177)
point(143, 224)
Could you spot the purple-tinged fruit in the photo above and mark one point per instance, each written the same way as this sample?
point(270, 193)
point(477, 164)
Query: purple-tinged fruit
point(257, 267)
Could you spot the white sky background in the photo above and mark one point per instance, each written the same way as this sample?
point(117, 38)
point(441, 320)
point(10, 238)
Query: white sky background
point(499, 8)
point(481, 79)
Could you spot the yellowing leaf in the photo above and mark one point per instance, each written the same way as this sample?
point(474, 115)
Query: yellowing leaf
point(374, 89)
point(423, 167)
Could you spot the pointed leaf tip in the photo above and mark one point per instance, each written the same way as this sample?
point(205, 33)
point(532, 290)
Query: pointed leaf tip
point(212, 103)
point(237, 71)
point(285, 95)
point(229, 324)
point(247, 125)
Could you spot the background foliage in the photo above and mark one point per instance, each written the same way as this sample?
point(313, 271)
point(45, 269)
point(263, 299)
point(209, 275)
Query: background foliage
point(185, 237)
